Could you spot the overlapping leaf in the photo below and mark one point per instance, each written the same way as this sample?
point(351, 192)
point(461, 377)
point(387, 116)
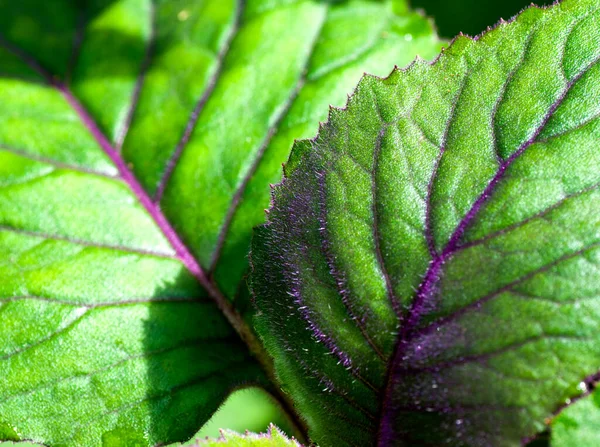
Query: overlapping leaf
point(273, 438)
point(579, 424)
point(108, 335)
point(430, 271)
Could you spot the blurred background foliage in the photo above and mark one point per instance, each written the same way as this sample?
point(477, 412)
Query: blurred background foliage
point(249, 409)
point(470, 16)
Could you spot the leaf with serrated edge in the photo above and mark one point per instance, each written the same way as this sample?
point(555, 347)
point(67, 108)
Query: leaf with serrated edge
point(430, 268)
point(273, 438)
point(137, 142)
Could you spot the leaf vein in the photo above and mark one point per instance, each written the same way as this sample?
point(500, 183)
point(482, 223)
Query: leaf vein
point(237, 197)
point(202, 101)
point(57, 164)
point(139, 82)
point(90, 244)
point(484, 357)
point(147, 354)
point(507, 288)
point(517, 225)
point(47, 338)
point(98, 305)
point(339, 277)
point(393, 299)
point(442, 149)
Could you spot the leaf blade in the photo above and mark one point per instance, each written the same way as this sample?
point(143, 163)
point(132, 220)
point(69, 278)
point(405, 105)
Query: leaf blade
point(111, 309)
point(394, 187)
point(273, 437)
point(83, 238)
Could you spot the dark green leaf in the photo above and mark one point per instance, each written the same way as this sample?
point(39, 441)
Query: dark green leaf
point(430, 271)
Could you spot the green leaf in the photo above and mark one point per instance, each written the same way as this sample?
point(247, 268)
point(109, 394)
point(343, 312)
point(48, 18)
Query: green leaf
point(137, 142)
point(430, 271)
point(273, 438)
point(234, 414)
point(578, 424)
point(255, 108)
point(19, 444)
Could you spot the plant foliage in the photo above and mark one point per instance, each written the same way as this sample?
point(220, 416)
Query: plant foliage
point(430, 271)
point(137, 142)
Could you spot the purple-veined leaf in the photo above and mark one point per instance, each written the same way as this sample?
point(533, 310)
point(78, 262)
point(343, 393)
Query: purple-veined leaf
point(137, 142)
point(430, 270)
point(272, 438)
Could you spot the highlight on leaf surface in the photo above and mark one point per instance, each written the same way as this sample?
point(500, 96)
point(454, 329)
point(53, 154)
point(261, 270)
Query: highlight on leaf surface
point(273, 438)
point(430, 270)
point(137, 142)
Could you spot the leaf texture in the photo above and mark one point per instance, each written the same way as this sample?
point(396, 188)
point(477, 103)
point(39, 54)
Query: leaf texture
point(430, 266)
point(116, 116)
point(103, 326)
point(252, 109)
point(19, 444)
point(578, 424)
point(273, 438)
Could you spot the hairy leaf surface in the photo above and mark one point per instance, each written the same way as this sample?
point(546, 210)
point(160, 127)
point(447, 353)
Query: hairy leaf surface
point(273, 438)
point(430, 271)
point(137, 142)
point(19, 444)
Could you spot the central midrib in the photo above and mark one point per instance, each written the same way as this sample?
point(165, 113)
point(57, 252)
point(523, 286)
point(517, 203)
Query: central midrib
point(182, 252)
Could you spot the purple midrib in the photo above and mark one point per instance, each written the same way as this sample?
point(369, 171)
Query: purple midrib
point(431, 277)
point(181, 251)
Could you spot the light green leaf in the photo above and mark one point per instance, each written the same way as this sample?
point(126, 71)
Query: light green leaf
point(116, 328)
point(235, 415)
point(578, 425)
point(430, 270)
point(273, 438)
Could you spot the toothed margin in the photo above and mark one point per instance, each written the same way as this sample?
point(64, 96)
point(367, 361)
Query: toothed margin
point(273, 433)
point(296, 154)
point(396, 71)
